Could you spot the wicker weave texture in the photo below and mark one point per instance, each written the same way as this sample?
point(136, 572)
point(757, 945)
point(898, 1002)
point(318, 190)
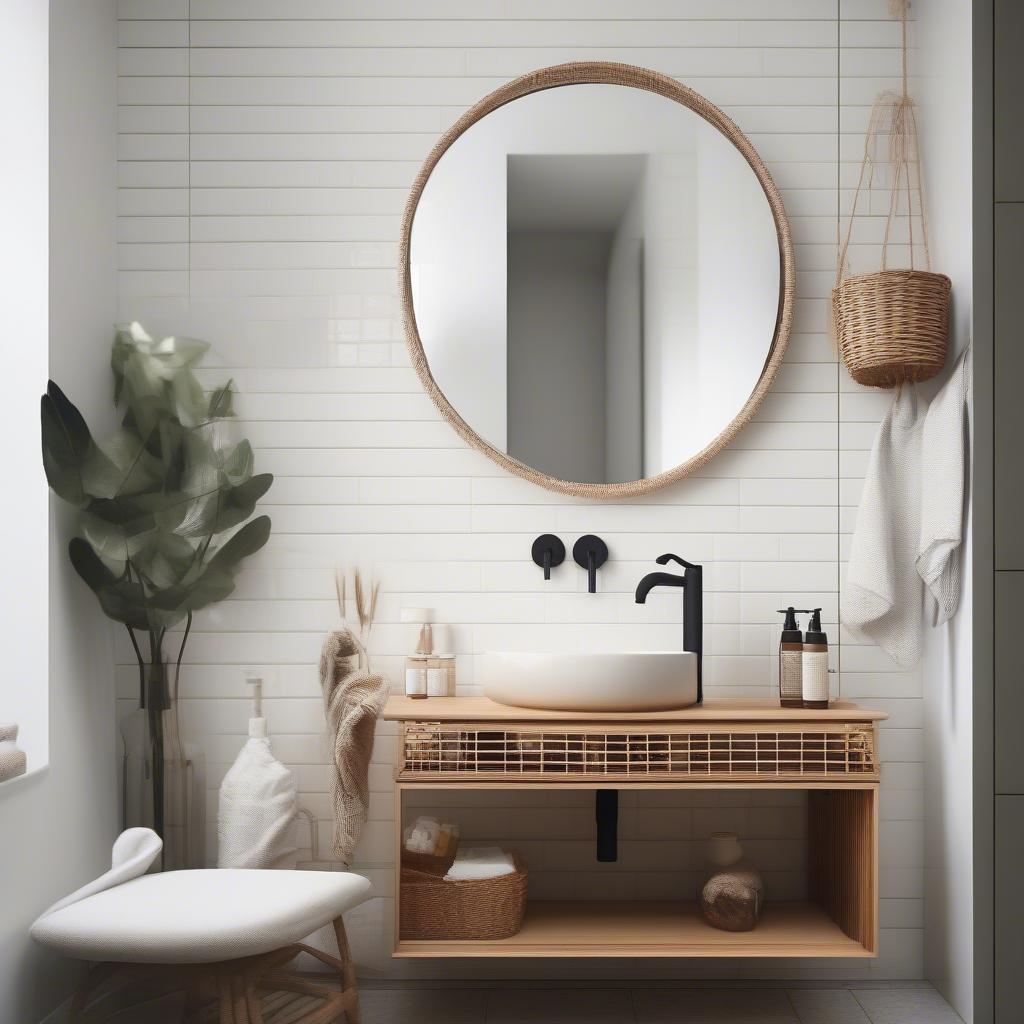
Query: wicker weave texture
point(491, 908)
point(892, 326)
point(451, 751)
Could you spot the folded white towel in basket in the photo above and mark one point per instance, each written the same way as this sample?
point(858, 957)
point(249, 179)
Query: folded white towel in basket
point(480, 862)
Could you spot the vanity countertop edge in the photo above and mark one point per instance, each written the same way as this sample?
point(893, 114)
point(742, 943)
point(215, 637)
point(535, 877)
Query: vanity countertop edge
point(481, 709)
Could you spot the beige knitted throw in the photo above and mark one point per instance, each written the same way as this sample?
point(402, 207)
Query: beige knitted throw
point(353, 701)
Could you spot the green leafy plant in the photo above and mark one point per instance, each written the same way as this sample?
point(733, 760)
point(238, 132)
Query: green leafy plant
point(164, 503)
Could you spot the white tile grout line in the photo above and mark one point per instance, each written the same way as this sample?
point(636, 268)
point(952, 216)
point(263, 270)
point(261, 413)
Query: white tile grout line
point(839, 453)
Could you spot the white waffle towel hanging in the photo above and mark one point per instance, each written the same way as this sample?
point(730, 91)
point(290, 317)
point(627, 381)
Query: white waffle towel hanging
point(944, 454)
point(883, 595)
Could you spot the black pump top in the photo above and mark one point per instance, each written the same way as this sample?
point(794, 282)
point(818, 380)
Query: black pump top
point(791, 628)
point(815, 634)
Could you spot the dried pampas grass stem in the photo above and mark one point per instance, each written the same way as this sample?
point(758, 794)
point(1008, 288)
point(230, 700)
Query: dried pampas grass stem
point(365, 595)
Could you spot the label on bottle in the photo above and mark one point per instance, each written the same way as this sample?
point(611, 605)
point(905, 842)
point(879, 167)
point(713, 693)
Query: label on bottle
point(815, 675)
point(415, 681)
point(437, 682)
point(790, 673)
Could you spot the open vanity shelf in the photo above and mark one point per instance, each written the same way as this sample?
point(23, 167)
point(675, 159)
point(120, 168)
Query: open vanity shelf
point(472, 743)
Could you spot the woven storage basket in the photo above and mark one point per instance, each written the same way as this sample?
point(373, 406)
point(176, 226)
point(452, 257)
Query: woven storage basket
point(491, 908)
point(427, 863)
point(892, 326)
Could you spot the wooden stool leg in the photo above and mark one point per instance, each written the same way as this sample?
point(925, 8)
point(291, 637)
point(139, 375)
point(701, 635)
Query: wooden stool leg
point(239, 998)
point(253, 1003)
point(348, 973)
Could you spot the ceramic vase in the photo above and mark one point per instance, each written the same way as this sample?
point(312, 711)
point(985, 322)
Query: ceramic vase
point(732, 897)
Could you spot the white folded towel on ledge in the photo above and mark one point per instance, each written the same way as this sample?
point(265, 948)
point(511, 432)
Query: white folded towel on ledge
point(8, 731)
point(480, 862)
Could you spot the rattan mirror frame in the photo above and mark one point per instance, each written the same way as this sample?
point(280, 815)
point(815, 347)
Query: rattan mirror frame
point(601, 73)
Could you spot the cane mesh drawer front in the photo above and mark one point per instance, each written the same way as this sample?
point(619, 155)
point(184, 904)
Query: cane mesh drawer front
point(704, 752)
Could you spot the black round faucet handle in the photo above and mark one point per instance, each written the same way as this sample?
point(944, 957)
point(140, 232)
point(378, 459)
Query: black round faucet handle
point(590, 553)
point(548, 551)
point(590, 545)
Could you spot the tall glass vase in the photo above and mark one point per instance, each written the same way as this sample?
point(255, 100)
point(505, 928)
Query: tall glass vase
point(162, 781)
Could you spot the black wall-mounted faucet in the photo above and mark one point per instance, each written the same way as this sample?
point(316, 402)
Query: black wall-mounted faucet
point(548, 551)
point(590, 553)
point(692, 582)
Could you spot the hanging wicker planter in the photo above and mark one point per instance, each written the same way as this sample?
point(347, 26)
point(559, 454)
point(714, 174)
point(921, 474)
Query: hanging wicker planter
point(892, 326)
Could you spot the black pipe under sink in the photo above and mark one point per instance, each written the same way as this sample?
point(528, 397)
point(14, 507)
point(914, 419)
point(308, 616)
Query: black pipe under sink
point(606, 814)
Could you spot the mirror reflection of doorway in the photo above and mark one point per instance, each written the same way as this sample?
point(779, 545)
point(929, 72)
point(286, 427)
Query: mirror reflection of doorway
point(575, 314)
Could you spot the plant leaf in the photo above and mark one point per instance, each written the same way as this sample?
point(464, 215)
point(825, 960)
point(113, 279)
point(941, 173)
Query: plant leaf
point(120, 598)
point(107, 540)
point(237, 465)
point(208, 588)
point(66, 445)
point(222, 402)
point(247, 541)
point(229, 507)
point(121, 465)
point(143, 389)
point(189, 400)
point(200, 461)
point(217, 579)
point(179, 353)
point(132, 516)
point(164, 559)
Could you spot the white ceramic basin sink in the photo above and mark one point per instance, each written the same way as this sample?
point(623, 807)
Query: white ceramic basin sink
point(628, 681)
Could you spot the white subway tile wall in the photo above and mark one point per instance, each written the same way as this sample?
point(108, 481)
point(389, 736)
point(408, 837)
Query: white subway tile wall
point(266, 151)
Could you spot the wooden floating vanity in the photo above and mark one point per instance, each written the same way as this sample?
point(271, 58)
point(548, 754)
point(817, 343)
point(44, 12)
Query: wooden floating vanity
point(473, 743)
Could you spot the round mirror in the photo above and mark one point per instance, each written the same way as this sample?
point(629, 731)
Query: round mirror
point(597, 279)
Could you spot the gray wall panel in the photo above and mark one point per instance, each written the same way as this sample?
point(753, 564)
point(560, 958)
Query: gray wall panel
point(1009, 110)
point(1009, 695)
point(1009, 387)
point(1009, 909)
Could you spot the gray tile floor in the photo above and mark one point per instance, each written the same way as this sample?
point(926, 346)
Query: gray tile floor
point(915, 1003)
point(883, 1003)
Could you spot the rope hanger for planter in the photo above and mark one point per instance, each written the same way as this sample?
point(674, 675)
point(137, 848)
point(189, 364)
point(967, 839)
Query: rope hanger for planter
point(892, 325)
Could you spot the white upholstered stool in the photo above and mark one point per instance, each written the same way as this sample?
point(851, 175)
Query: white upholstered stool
point(224, 933)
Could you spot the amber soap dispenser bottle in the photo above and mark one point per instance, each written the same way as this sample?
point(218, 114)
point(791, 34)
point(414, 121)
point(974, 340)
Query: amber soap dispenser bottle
point(791, 654)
